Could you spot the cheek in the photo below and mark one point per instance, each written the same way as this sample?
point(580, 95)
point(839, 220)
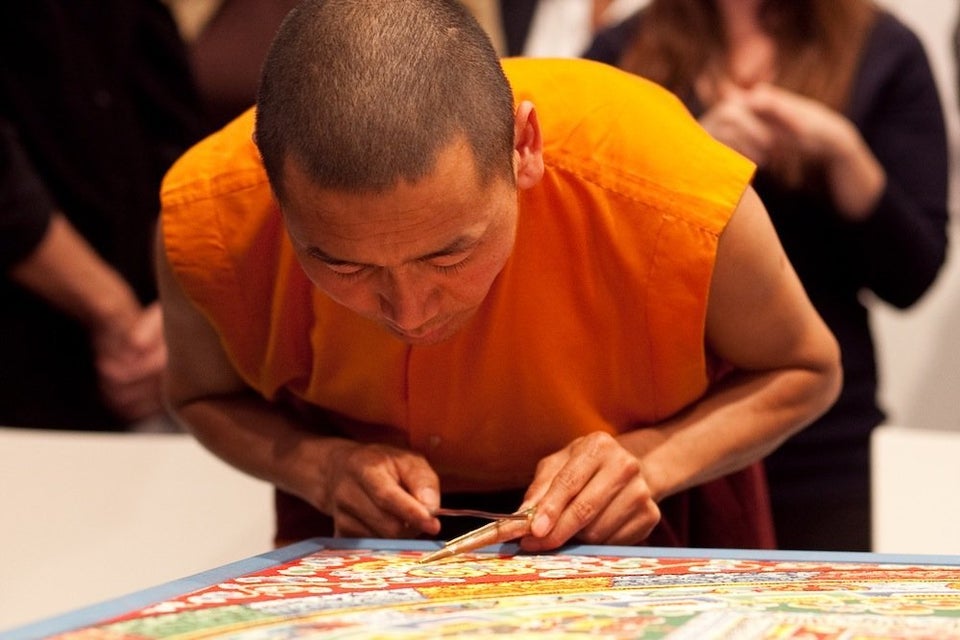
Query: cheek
point(468, 290)
point(476, 281)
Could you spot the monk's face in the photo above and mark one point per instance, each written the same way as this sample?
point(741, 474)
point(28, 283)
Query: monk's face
point(418, 259)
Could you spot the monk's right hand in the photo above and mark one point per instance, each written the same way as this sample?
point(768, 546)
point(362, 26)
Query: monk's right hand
point(380, 491)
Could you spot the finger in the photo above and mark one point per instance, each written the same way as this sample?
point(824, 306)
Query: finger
point(589, 504)
point(735, 125)
point(421, 481)
point(728, 90)
point(638, 528)
point(347, 525)
point(585, 456)
point(147, 333)
point(366, 493)
point(357, 515)
point(386, 485)
point(615, 491)
point(772, 103)
point(754, 135)
point(131, 371)
point(417, 476)
point(546, 471)
point(383, 525)
point(430, 499)
point(627, 518)
point(790, 115)
point(133, 401)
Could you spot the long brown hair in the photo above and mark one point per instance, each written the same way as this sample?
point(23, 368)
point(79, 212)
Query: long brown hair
point(818, 46)
point(679, 40)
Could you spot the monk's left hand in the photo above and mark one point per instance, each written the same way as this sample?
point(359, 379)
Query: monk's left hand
point(592, 490)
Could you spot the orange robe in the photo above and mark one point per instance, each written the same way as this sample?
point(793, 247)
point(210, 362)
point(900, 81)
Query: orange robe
point(595, 323)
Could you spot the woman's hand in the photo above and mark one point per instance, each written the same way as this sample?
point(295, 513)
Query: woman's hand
point(733, 122)
point(825, 138)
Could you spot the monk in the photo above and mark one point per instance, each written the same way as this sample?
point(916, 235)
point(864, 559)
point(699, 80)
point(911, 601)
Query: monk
point(415, 276)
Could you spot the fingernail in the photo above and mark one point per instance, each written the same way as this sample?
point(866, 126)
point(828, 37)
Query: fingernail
point(428, 498)
point(540, 526)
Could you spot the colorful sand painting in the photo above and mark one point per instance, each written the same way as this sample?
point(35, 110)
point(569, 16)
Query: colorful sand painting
point(385, 593)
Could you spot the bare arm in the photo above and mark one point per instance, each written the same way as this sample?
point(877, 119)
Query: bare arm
point(786, 373)
point(65, 271)
point(787, 364)
point(369, 490)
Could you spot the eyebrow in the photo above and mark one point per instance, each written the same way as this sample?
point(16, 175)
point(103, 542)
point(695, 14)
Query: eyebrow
point(461, 244)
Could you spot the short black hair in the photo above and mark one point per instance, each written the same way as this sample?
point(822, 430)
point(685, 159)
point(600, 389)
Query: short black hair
point(363, 93)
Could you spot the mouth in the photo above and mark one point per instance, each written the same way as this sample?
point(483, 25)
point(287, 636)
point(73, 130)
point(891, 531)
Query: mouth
point(425, 334)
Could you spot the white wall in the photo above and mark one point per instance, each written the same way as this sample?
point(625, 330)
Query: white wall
point(920, 348)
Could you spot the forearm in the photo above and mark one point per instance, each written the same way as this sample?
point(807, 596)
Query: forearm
point(65, 271)
point(902, 248)
point(741, 420)
point(785, 365)
point(258, 438)
point(856, 177)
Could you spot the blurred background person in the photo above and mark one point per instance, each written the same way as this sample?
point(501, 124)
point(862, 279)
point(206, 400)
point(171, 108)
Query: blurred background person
point(560, 28)
point(96, 102)
point(227, 41)
point(836, 103)
point(546, 28)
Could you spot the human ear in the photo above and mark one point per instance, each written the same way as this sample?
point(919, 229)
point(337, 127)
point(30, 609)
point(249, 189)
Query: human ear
point(527, 146)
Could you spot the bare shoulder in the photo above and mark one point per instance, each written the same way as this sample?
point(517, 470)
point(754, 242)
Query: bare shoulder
point(759, 315)
point(197, 364)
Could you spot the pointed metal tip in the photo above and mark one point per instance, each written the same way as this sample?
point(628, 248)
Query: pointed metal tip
point(439, 554)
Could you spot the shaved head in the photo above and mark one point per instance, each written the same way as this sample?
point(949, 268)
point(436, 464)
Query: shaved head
point(364, 93)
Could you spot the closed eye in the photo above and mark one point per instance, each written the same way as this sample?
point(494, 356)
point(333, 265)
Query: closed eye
point(346, 269)
point(450, 263)
point(451, 268)
point(340, 267)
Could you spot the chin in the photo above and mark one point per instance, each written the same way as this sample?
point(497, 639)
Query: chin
point(426, 339)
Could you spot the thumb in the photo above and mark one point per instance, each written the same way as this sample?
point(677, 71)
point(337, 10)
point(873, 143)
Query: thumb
point(420, 480)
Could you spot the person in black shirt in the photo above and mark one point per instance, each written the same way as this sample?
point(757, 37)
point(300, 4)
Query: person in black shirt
point(96, 102)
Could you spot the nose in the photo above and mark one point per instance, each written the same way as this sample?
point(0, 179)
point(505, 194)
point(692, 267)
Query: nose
point(407, 299)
